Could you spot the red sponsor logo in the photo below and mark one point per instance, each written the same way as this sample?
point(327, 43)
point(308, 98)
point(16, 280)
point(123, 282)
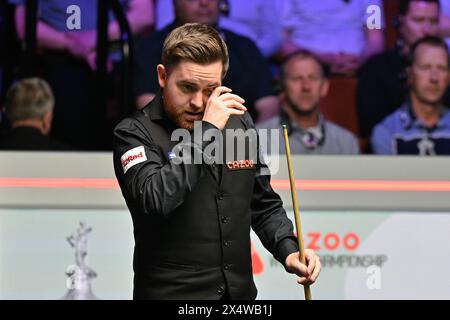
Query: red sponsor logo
point(240, 164)
point(332, 241)
point(127, 160)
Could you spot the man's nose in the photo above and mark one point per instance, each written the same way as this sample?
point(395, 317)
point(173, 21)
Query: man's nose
point(434, 76)
point(306, 86)
point(197, 100)
point(428, 29)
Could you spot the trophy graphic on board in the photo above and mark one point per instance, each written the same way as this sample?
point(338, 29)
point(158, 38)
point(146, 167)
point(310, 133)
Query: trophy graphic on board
point(80, 275)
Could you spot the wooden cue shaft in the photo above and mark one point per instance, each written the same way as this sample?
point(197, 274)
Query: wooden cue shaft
point(298, 223)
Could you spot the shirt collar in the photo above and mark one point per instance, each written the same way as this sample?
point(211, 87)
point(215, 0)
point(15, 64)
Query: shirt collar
point(292, 126)
point(409, 118)
point(155, 108)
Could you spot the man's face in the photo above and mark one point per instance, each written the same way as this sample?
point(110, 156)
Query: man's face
point(429, 74)
point(186, 90)
point(422, 19)
point(201, 11)
point(304, 84)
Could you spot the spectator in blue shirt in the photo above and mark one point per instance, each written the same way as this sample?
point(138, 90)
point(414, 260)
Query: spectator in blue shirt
point(422, 125)
point(382, 81)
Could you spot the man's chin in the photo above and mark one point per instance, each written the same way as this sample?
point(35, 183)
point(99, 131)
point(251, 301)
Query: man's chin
point(435, 101)
point(186, 125)
point(304, 111)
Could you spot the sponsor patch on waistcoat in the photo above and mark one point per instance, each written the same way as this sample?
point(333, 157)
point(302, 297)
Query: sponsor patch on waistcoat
point(133, 157)
point(240, 164)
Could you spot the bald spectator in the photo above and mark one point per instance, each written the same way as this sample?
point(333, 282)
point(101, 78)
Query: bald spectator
point(29, 108)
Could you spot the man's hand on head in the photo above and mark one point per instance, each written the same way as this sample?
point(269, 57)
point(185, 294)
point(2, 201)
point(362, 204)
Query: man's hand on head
point(221, 105)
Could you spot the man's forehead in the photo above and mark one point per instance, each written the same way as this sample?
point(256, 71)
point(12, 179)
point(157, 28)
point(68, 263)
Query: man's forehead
point(426, 50)
point(197, 82)
point(301, 65)
point(430, 54)
point(199, 73)
point(422, 8)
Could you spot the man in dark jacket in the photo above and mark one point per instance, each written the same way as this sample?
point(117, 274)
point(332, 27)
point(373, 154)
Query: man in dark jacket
point(29, 108)
point(192, 220)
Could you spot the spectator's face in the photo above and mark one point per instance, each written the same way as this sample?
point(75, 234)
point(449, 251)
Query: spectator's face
point(186, 90)
point(429, 74)
point(422, 19)
point(201, 11)
point(304, 84)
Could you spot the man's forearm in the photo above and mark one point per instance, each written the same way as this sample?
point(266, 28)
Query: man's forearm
point(47, 37)
point(140, 16)
point(50, 38)
point(444, 26)
point(375, 43)
point(156, 185)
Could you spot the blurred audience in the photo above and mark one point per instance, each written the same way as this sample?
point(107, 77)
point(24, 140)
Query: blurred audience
point(383, 86)
point(444, 23)
point(335, 30)
point(69, 59)
point(421, 125)
point(2, 41)
point(403, 91)
point(304, 83)
point(29, 108)
point(254, 19)
point(249, 75)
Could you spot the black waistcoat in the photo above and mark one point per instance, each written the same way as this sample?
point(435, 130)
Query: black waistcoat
point(204, 245)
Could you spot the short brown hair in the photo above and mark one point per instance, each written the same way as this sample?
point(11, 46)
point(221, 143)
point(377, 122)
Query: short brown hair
point(303, 54)
point(28, 98)
point(197, 43)
point(431, 41)
point(404, 5)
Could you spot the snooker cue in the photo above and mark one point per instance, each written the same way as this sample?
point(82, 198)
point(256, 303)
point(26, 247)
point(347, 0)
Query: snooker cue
point(298, 224)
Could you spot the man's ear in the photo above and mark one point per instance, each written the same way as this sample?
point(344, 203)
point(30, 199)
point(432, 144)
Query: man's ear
point(408, 72)
point(282, 97)
point(325, 87)
point(47, 122)
point(162, 75)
